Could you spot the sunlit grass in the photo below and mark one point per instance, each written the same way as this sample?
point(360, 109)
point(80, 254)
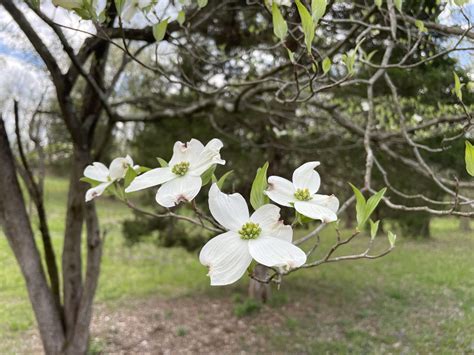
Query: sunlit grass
point(422, 293)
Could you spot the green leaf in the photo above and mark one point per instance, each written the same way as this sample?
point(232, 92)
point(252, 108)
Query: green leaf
point(163, 163)
point(119, 6)
point(259, 185)
point(327, 65)
point(318, 9)
point(129, 176)
point(421, 26)
point(92, 182)
point(291, 55)
point(302, 219)
point(308, 25)
point(202, 3)
point(142, 169)
point(378, 3)
point(470, 158)
point(181, 17)
point(207, 175)
point(398, 4)
point(280, 28)
point(360, 205)
point(159, 30)
point(373, 202)
point(392, 238)
point(223, 178)
point(457, 86)
point(374, 227)
point(461, 2)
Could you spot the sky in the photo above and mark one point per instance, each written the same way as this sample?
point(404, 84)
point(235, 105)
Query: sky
point(22, 73)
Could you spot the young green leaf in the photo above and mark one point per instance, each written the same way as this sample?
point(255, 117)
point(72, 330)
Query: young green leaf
point(223, 178)
point(469, 158)
point(291, 55)
point(374, 227)
point(259, 185)
point(318, 9)
point(378, 3)
point(159, 30)
point(142, 169)
point(457, 86)
point(421, 26)
point(307, 24)
point(181, 17)
point(373, 202)
point(327, 65)
point(163, 163)
point(398, 4)
point(392, 238)
point(202, 3)
point(207, 175)
point(119, 6)
point(92, 182)
point(280, 28)
point(360, 205)
point(129, 176)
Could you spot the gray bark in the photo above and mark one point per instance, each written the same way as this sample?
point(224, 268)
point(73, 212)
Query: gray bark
point(19, 233)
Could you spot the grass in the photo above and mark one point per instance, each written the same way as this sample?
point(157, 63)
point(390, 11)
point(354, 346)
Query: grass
point(420, 298)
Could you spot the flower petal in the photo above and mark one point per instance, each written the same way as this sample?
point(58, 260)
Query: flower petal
point(306, 178)
point(268, 218)
point(209, 156)
point(314, 210)
point(186, 152)
point(97, 171)
point(328, 201)
point(281, 191)
point(151, 178)
point(181, 189)
point(118, 168)
point(231, 211)
point(97, 190)
point(270, 252)
point(227, 257)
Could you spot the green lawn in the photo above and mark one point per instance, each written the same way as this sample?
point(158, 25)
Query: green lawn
point(420, 298)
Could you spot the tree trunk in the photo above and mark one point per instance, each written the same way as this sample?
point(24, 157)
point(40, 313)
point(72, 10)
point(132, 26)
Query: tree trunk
point(259, 291)
point(19, 233)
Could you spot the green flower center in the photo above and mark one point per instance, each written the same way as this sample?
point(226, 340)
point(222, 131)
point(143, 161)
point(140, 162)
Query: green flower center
point(302, 195)
point(180, 168)
point(250, 230)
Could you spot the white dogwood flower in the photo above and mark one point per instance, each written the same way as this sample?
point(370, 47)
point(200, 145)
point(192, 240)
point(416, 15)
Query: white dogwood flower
point(106, 176)
point(301, 194)
point(261, 236)
point(181, 179)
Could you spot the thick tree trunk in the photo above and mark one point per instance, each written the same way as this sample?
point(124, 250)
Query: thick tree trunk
point(20, 236)
point(71, 258)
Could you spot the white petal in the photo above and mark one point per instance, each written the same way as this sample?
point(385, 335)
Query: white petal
point(328, 201)
point(280, 190)
point(306, 178)
point(209, 156)
point(314, 210)
point(97, 191)
point(129, 160)
point(186, 152)
point(118, 168)
point(227, 257)
point(181, 189)
point(231, 211)
point(97, 171)
point(151, 178)
point(268, 218)
point(270, 252)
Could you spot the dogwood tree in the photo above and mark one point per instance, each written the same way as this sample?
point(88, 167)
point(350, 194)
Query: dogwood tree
point(298, 56)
